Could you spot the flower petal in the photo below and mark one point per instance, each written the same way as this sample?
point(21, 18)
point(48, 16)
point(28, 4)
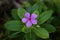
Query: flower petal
point(34, 21)
point(33, 16)
point(29, 24)
point(24, 20)
point(27, 15)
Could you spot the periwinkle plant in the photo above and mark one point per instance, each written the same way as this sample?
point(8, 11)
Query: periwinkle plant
point(35, 17)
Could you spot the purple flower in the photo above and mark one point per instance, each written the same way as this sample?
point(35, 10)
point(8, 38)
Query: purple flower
point(29, 19)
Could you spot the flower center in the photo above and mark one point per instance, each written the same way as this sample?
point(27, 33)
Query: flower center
point(29, 18)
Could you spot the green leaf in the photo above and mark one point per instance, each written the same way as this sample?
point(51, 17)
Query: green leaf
point(36, 12)
point(14, 14)
point(21, 12)
point(34, 7)
point(13, 25)
point(45, 16)
point(26, 30)
point(41, 32)
point(50, 28)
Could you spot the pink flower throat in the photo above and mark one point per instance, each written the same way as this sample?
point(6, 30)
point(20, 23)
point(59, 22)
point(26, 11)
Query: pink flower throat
point(29, 18)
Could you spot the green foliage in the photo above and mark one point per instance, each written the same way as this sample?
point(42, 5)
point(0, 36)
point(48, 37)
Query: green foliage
point(42, 29)
point(26, 30)
point(34, 7)
point(21, 12)
point(45, 16)
point(41, 32)
point(13, 25)
point(50, 28)
point(14, 14)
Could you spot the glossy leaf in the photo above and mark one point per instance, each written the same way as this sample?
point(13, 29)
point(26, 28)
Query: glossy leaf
point(21, 12)
point(13, 25)
point(34, 7)
point(45, 16)
point(41, 32)
point(49, 28)
point(15, 14)
point(26, 30)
